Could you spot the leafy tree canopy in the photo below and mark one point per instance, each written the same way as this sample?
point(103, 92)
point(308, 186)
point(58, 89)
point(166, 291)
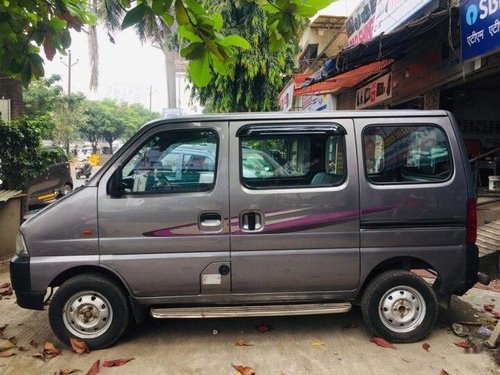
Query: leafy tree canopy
point(110, 120)
point(29, 25)
point(258, 73)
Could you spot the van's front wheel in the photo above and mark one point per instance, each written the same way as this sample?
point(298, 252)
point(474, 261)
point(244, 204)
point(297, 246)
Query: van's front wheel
point(399, 306)
point(91, 308)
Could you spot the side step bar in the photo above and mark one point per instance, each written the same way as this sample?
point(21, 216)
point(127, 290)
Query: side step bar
point(249, 311)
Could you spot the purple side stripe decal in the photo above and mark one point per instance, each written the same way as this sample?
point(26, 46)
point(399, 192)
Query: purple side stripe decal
point(292, 225)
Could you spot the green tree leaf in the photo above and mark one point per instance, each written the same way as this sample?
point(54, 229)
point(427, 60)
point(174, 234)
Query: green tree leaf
point(237, 41)
point(195, 7)
point(199, 70)
point(180, 13)
point(186, 32)
point(193, 51)
point(135, 15)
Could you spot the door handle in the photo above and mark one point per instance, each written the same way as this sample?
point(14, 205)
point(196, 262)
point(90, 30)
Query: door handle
point(251, 221)
point(210, 222)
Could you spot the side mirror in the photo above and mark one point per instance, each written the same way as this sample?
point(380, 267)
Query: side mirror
point(115, 187)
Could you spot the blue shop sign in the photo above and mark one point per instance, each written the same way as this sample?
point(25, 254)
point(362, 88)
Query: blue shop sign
point(480, 27)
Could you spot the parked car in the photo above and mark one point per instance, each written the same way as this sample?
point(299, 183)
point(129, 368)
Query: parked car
point(183, 164)
point(54, 183)
point(192, 217)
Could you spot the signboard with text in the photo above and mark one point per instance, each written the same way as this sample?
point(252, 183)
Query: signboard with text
point(375, 92)
point(374, 17)
point(480, 27)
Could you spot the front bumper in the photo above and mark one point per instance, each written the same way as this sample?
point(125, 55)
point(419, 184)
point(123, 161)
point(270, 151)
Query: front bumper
point(21, 283)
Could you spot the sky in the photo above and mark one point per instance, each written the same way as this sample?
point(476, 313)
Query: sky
point(130, 71)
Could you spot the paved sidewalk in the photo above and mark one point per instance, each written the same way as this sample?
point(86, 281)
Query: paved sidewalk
point(337, 344)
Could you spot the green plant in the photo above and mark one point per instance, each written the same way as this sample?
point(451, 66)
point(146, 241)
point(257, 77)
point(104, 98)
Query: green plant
point(22, 157)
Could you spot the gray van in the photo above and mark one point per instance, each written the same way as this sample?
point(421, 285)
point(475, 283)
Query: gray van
point(260, 214)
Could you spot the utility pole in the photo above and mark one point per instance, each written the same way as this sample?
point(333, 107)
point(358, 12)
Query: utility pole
point(69, 65)
point(150, 97)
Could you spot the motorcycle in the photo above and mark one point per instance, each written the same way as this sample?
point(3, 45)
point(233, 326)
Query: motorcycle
point(83, 169)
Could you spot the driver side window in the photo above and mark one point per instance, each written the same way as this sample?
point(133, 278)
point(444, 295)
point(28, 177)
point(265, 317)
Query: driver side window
point(173, 161)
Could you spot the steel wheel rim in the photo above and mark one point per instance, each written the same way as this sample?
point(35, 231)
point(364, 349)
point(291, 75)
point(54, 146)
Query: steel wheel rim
point(87, 314)
point(66, 190)
point(402, 309)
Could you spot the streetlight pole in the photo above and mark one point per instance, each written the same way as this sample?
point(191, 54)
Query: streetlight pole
point(69, 65)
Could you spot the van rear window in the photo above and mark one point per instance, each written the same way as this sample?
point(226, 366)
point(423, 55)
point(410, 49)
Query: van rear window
point(406, 154)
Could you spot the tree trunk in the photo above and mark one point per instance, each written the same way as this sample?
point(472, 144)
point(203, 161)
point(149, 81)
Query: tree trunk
point(170, 75)
point(110, 147)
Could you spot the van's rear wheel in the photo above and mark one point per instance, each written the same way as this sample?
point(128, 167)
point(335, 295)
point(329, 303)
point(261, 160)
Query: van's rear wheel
point(91, 308)
point(399, 306)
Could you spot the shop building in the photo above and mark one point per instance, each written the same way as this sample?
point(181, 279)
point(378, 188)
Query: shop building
point(422, 54)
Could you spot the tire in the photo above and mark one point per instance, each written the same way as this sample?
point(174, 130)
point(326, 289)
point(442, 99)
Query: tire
point(66, 189)
point(89, 294)
point(399, 306)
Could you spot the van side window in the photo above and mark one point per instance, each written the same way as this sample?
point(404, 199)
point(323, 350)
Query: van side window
point(406, 154)
point(292, 160)
point(172, 162)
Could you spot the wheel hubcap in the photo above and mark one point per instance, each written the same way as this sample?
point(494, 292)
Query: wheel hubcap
point(87, 314)
point(402, 309)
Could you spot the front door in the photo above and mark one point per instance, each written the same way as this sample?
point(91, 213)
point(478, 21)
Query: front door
point(294, 206)
point(169, 227)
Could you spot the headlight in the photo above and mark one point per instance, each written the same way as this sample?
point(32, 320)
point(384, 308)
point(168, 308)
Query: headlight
point(21, 250)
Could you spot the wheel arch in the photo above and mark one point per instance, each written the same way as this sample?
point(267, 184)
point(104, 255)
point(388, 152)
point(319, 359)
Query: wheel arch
point(406, 263)
point(138, 310)
point(79, 270)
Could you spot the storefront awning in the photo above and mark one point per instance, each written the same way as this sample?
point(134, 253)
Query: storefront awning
point(392, 45)
point(343, 80)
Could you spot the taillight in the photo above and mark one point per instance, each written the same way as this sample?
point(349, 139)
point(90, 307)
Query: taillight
point(471, 221)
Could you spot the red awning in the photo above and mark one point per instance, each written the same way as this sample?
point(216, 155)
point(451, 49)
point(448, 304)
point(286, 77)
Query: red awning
point(343, 80)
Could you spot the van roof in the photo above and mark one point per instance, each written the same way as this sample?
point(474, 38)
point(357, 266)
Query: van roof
point(259, 116)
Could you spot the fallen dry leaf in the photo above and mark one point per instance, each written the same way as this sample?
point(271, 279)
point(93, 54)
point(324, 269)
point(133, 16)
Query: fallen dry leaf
point(67, 371)
point(426, 346)
point(22, 349)
point(496, 314)
point(50, 350)
point(116, 362)
point(40, 356)
point(317, 343)
point(5, 285)
point(406, 360)
point(13, 340)
point(94, 369)
point(263, 328)
point(381, 342)
point(34, 344)
point(79, 346)
point(244, 370)
point(242, 342)
point(463, 344)
point(6, 346)
point(6, 292)
point(443, 372)
point(6, 354)
point(489, 306)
